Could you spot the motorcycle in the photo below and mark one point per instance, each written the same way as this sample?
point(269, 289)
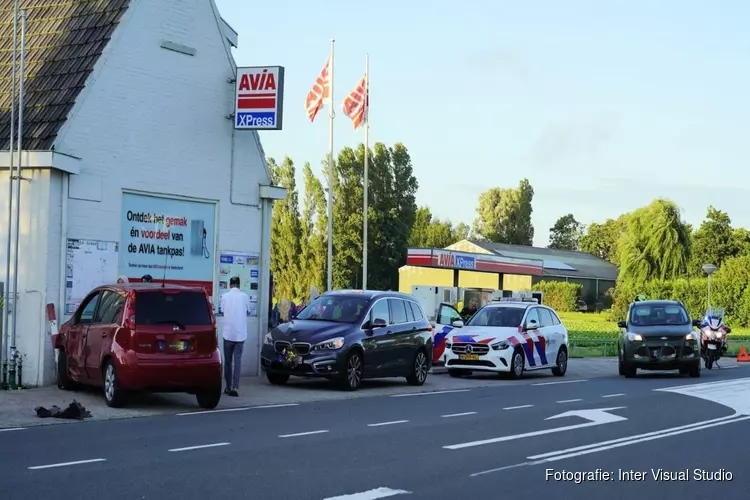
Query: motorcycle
point(713, 336)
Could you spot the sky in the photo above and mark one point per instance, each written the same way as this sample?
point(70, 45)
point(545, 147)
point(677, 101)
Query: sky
point(603, 105)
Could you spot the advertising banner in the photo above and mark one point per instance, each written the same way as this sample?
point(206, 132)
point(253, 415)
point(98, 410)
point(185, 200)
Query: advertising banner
point(168, 238)
point(259, 98)
point(246, 267)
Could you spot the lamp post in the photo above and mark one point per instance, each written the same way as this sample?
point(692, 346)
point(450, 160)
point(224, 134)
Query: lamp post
point(709, 269)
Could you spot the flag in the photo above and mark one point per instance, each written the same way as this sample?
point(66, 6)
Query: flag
point(356, 103)
point(319, 92)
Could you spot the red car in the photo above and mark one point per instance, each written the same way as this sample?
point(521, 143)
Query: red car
point(142, 336)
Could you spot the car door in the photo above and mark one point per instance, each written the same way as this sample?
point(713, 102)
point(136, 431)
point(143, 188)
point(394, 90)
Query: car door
point(377, 341)
point(531, 333)
point(447, 314)
point(76, 338)
point(399, 331)
point(549, 340)
point(99, 335)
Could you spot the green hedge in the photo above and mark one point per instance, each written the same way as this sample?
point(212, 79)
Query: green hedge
point(560, 295)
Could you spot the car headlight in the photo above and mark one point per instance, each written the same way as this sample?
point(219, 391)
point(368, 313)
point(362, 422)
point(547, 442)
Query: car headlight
point(635, 337)
point(330, 344)
point(268, 339)
point(691, 336)
point(500, 346)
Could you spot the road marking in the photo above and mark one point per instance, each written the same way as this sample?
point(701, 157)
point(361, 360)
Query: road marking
point(562, 382)
point(13, 429)
point(517, 407)
point(459, 414)
point(199, 447)
point(629, 438)
point(65, 464)
point(296, 434)
point(370, 495)
point(569, 400)
point(388, 423)
point(613, 395)
point(244, 408)
point(732, 393)
point(428, 393)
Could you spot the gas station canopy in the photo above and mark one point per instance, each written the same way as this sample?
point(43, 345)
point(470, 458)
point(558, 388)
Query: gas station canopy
point(449, 259)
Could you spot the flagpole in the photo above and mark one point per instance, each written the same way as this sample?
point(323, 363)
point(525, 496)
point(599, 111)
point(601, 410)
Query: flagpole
point(367, 146)
point(331, 115)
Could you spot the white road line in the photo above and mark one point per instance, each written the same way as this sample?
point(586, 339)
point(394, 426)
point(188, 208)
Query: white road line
point(244, 408)
point(370, 495)
point(613, 395)
point(562, 382)
point(459, 414)
point(569, 400)
point(66, 464)
point(517, 407)
point(13, 429)
point(428, 393)
point(387, 423)
point(199, 447)
point(296, 434)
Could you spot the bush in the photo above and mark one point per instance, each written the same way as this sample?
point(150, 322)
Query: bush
point(560, 295)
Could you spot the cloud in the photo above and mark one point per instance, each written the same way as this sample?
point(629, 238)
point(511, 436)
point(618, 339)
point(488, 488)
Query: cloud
point(563, 141)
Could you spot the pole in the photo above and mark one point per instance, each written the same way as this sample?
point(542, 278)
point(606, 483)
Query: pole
point(6, 286)
point(21, 81)
point(331, 115)
point(709, 291)
point(367, 146)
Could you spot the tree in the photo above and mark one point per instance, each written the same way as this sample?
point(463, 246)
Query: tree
point(462, 231)
point(314, 231)
point(505, 214)
point(566, 232)
point(714, 242)
point(347, 220)
point(285, 233)
point(431, 233)
point(601, 239)
point(655, 245)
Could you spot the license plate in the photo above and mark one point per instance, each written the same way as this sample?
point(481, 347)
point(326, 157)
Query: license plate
point(180, 346)
point(473, 357)
point(712, 346)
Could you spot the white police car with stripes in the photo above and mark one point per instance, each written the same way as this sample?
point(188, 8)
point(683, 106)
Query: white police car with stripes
point(509, 335)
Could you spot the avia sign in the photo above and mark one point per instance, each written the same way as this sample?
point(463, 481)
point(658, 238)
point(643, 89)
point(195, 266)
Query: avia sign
point(259, 98)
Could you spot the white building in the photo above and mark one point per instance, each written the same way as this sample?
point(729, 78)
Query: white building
point(127, 99)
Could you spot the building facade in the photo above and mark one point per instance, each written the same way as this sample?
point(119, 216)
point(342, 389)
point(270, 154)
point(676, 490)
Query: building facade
point(131, 163)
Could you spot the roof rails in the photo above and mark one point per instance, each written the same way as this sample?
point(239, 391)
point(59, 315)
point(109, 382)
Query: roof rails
point(516, 299)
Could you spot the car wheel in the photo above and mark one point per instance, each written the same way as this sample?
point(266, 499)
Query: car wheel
point(517, 363)
point(277, 378)
point(354, 368)
point(562, 362)
point(208, 400)
point(620, 365)
point(684, 371)
point(63, 377)
point(113, 395)
point(630, 371)
point(418, 371)
point(695, 371)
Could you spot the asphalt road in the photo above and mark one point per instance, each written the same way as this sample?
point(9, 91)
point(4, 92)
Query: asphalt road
point(483, 443)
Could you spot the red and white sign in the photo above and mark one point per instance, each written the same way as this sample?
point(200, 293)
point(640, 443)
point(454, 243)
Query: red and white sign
point(431, 257)
point(259, 98)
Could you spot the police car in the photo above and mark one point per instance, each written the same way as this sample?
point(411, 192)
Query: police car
point(509, 335)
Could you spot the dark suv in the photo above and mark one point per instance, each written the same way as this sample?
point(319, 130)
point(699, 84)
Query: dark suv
point(349, 335)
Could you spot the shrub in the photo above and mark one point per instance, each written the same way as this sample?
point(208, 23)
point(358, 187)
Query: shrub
point(560, 295)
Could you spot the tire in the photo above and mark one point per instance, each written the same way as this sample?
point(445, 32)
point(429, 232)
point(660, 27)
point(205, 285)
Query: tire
point(277, 378)
point(63, 377)
point(208, 400)
point(695, 371)
point(620, 365)
point(684, 371)
point(630, 371)
point(418, 371)
point(517, 364)
point(353, 371)
point(456, 373)
point(709, 362)
point(562, 362)
point(113, 395)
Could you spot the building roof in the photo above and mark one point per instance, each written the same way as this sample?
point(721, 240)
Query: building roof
point(64, 39)
point(557, 263)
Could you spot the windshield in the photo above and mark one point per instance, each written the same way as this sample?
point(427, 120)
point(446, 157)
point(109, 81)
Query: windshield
point(498, 316)
point(338, 308)
point(661, 315)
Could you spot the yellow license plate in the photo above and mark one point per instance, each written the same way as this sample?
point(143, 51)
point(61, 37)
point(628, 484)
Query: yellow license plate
point(469, 356)
point(179, 346)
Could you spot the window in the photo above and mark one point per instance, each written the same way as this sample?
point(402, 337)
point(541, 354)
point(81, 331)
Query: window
point(545, 317)
point(409, 313)
point(162, 308)
point(380, 311)
point(416, 310)
point(87, 314)
point(555, 320)
point(532, 316)
point(448, 315)
point(659, 315)
point(336, 308)
point(113, 311)
point(398, 311)
point(498, 316)
point(105, 302)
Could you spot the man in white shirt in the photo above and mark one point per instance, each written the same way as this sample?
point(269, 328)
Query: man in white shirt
point(235, 305)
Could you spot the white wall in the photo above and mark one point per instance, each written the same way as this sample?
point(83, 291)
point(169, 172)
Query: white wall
point(152, 119)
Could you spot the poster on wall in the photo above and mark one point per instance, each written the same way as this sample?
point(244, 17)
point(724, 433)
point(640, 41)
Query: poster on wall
point(170, 239)
point(246, 267)
point(88, 264)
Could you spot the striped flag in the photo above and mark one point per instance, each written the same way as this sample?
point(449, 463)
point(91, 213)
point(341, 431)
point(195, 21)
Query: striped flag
point(356, 103)
point(319, 92)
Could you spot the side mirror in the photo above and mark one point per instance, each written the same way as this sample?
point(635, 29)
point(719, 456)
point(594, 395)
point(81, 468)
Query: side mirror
point(532, 325)
point(457, 323)
point(378, 323)
point(697, 322)
point(622, 324)
point(729, 330)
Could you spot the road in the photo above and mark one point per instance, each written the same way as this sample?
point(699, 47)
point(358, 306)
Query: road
point(481, 443)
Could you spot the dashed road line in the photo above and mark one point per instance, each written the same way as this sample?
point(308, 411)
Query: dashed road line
point(613, 395)
point(569, 401)
point(199, 447)
point(243, 408)
point(13, 429)
point(297, 434)
point(370, 494)
point(66, 464)
point(561, 382)
point(465, 414)
point(517, 407)
point(429, 393)
point(394, 422)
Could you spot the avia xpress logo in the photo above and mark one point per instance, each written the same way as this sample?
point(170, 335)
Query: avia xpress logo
point(465, 262)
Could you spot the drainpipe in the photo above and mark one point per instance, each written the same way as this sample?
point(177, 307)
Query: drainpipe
point(63, 245)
